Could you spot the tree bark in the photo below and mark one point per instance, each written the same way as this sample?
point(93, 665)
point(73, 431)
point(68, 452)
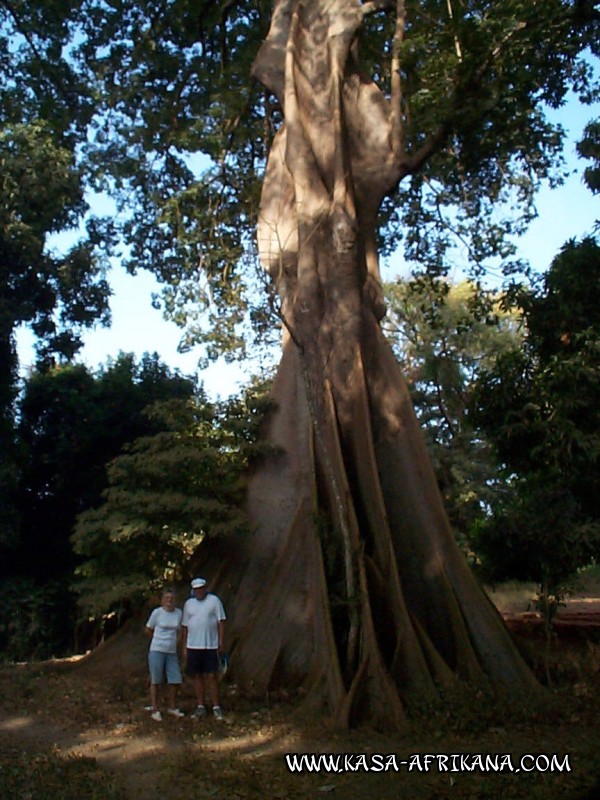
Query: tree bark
point(351, 587)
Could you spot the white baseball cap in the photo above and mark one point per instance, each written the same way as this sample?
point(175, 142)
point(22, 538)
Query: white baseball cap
point(198, 583)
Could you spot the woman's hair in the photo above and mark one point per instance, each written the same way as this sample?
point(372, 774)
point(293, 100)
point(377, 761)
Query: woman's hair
point(168, 590)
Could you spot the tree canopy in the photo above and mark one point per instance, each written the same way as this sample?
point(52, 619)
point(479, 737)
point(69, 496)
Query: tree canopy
point(539, 406)
point(445, 336)
point(181, 132)
point(155, 102)
point(166, 492)
point(45, 109)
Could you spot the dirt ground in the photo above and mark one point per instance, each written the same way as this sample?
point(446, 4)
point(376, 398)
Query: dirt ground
point(81, 724)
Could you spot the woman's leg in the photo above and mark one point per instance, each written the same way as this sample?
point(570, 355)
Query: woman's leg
point(154, 696)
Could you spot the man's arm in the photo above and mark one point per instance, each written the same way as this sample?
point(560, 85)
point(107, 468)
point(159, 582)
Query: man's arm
point(184, 637)
point(184, 631)
point(221, 629)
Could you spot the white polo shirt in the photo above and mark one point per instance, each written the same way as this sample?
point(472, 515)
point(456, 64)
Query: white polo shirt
point(201, 618)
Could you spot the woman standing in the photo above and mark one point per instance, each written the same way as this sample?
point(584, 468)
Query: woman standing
point(164, 628)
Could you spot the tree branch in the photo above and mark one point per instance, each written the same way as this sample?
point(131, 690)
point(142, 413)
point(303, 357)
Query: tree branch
point(397, 127)
point(21, 30)
point(373, 6)
point(457, 46)
point(459, 102)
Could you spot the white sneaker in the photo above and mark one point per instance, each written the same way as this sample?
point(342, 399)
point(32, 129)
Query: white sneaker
point(148, 708)
point(156, 716)
point(175, 712)
point(199, 712)
point(218, 712)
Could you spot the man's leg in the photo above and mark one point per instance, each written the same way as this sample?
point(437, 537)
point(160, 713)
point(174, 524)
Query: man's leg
point(212, 686)
point(194, 670)
point(199, 689)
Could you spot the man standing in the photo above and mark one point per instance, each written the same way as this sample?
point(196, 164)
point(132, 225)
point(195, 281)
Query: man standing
point(203, 642)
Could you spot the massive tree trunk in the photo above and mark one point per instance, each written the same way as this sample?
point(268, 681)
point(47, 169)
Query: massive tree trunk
point(352, 587)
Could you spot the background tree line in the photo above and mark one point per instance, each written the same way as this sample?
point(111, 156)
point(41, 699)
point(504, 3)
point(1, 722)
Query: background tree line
point(505, 386)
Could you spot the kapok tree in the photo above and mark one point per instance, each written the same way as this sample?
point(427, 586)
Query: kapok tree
point(351, 586)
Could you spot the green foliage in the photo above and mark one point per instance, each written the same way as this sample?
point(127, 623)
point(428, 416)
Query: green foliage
point(179, 140)
point(474, 72)
point(44, 112)
point(589, 147)
point(37, 620)
point(540, 407)
point(167, 493)
point(540, 403)
point(444, 335)
point(181, 133)
point(9, 515)
point(488, 384)
point(71, 422)
point(538, 533)
point(564, 317)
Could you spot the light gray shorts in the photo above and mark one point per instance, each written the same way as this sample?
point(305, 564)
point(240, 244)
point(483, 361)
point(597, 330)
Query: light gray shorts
point(161, 664)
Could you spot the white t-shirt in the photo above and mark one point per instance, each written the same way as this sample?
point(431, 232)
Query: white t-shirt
point(202, 617)
point(165, 625)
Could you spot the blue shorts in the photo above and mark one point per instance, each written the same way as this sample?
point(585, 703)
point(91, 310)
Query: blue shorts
point(161, 664)
point(202, 662)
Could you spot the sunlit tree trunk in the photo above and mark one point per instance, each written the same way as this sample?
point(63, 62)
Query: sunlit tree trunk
point(352, 587)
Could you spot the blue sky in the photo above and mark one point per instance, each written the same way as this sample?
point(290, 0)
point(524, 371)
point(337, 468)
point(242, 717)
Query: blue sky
point(567, 212)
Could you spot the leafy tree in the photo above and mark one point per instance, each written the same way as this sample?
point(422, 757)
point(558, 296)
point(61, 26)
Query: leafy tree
point(166, 493)
point(589, 148)
point(182, 132)
point(44, 112)
point(433, 113)
point(444, 335)
point(36, 621)
point(539, 405)
point(71, 423)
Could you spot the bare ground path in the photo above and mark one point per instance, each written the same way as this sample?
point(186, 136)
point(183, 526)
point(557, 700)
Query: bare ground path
point(81, 713)
point(135, 759)
point(81, 710)
point(137, 753)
